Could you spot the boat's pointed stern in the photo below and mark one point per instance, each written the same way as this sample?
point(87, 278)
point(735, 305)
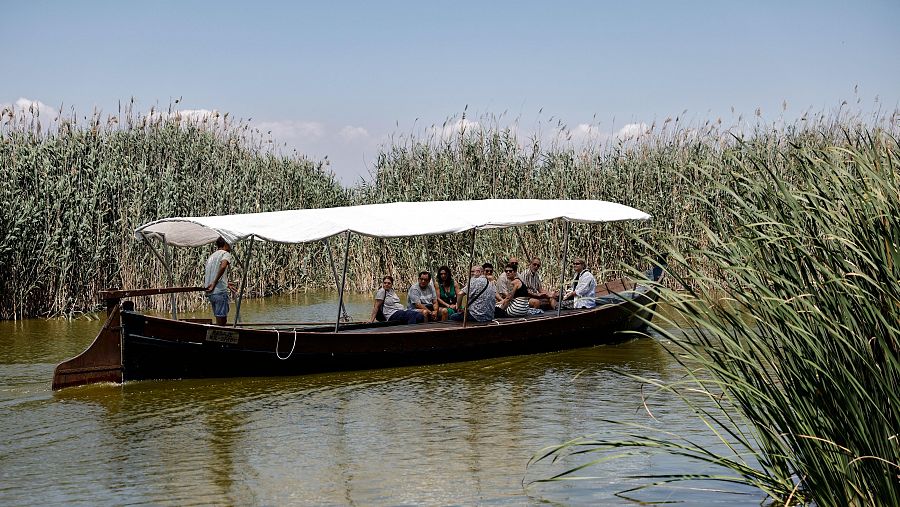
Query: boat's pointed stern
point(101, 362)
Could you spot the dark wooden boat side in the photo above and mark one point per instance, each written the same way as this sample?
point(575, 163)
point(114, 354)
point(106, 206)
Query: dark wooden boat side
point(151, 347)
point(162, 348)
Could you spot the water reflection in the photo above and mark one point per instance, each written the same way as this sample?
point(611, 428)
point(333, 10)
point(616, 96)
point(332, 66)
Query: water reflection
point(442, 434)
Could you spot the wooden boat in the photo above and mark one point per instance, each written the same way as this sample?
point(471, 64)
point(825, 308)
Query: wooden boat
point(135, 346)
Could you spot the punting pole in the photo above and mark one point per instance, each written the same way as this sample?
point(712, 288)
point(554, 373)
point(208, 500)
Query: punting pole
point(562, 271)
point(165, 265)
point(337, 323)
point(344, 315)
point(237, 312)
point(469, 284)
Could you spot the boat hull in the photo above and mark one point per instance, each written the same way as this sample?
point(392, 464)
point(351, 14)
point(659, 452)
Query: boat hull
point(160, 348)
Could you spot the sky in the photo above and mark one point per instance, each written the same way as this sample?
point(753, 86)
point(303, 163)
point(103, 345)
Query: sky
point(341, 79)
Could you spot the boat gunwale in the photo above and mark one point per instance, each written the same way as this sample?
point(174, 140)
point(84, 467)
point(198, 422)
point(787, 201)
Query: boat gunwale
point(382, 328)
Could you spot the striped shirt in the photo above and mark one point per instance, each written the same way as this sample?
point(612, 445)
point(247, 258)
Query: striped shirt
point(532, 280)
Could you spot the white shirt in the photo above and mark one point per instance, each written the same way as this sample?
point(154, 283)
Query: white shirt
point(417, 294)
point(391, 302)
point(212, 269)
point(585, 291)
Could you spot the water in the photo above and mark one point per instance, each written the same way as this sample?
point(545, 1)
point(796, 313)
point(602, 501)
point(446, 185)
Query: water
point(446, 434)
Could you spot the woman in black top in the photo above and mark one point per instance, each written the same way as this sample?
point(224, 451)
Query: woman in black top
point(515, 304)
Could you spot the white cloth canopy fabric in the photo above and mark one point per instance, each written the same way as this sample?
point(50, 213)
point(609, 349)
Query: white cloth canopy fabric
point(389, 220)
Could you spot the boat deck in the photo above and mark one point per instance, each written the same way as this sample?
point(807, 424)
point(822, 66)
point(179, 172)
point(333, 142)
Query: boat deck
point(614, 290)
point(605, 289)
point(450, 324)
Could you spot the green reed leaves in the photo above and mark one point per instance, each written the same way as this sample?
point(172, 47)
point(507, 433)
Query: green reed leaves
point(73, 194)
point(795, 335)
point(71, 197)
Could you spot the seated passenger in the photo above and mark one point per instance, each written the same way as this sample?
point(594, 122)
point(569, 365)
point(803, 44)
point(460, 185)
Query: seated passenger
point(539, 297)
point(387, 301)
point(515, 304)
point(423, 299)
point(488, 270)
point(583, 289)
point(480, 304)
point(447, 291)
point(502, 282)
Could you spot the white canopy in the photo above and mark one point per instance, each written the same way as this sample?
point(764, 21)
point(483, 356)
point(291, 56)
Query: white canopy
point(389, 220)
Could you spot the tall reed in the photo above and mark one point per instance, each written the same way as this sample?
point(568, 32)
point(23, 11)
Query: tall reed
point(794, 329)
point(76, 192)
point(72, 196)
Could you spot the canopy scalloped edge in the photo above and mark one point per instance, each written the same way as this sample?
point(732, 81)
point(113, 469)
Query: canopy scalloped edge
point(388, 220)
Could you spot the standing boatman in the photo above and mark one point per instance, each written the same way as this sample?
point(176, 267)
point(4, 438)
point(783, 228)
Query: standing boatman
point(216, 280)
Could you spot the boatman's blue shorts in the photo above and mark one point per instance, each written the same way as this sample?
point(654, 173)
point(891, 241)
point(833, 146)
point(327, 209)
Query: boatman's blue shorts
point(219, 301)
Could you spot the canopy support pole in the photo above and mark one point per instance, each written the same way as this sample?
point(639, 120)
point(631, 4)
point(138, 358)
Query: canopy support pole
point(344, 315)
point(337, 323)
point(170, 256)
point(166, 265)
point(246, 267)
point(562, 270)
point(469, 284)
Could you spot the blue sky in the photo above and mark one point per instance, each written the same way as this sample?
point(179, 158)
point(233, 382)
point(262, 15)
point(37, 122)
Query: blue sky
point(339, 78)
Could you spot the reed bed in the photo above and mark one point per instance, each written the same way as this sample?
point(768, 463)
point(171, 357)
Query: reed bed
point(793, 337)
point(74, 193)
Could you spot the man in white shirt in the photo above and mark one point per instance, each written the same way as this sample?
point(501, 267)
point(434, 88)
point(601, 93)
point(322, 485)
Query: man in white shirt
point(583, 290)
point(216, 280)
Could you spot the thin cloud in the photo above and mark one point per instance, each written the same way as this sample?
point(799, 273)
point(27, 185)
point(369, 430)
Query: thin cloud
point(291, 131)
point(632, 130)
point(197, 114)
point(25, 106)
point(187, 115)
point(451, 129)
point(350, 133)
point(585, 133)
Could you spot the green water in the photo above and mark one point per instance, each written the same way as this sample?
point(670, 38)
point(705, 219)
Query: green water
point(433, 435)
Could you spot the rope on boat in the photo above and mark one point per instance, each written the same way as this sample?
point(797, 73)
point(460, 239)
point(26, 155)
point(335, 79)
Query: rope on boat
point(278, 342)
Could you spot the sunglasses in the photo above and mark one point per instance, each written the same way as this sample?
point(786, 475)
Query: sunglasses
point(508, 270)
